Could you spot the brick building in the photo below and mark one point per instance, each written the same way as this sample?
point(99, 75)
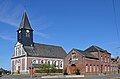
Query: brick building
point(27, 52)
point(115, 65)
point(94, 60)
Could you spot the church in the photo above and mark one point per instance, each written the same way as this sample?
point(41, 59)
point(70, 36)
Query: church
point(27, 52)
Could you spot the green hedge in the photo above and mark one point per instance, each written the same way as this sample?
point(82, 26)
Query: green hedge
point(50, 71)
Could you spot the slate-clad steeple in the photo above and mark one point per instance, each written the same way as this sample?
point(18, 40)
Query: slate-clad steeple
point(25, 24)
point(25, 32)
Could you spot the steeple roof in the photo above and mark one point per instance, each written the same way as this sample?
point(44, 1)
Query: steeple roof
point(25, 24)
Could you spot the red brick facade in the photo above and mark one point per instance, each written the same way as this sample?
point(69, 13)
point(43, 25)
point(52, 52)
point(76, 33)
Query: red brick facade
point(88, 65)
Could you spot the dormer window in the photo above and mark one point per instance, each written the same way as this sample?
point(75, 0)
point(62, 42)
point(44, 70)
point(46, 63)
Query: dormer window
point(27, 33)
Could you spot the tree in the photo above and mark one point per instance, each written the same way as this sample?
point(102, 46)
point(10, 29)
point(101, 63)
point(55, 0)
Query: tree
point(47, 68)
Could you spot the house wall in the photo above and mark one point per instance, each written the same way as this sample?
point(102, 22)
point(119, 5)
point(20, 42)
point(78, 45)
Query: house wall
point(18, 63)
point(38, 61)
point(89, 66)
point(78, 62)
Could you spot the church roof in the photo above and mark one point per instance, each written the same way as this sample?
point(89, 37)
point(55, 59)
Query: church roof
point(25, 24)
point(43, 50)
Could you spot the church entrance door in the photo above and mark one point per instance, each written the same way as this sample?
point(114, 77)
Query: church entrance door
point(18, 69)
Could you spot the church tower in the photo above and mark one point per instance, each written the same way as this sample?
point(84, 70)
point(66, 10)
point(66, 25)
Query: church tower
point(25, 32)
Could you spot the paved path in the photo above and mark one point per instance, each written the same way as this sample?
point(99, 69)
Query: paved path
point(62, 77)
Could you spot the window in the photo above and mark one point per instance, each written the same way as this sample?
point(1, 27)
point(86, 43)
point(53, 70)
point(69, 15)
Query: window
point(111, 68)
point(86, 67)
point(27, 33)
point(18, 51)
point(74, 56)
point(34, 62)
point(94, 68)
point(105, 59)
point(90, 68)
point(108, 68)
point(97, 68)
point(48, 62)
point(20, 34)
point(61, 64)
point(101, 58)
point(108, 59)
point(105, 68)
point(42, 61)
point(56, 63)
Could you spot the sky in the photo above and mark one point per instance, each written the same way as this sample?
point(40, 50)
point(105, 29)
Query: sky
point(67, 23)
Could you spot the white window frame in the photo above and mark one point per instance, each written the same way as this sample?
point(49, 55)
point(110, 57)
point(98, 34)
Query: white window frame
point(34, 62)
point(90, 68)
point(101, 58)
point(61, 64)
point(86, 67)
point(41, 61)
point(108, 60)
point(108, 68)
point(105, 68)
point(105, 59)
point(94, 68)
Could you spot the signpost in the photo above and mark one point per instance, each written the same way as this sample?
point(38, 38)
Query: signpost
point(31, 70)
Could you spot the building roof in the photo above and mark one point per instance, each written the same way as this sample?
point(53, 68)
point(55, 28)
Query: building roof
point(94, 48)
point(43, 50)
point(85, 53)
point(25, 24)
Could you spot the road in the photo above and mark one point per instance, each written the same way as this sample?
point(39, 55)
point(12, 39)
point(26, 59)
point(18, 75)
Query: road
point(95, 77)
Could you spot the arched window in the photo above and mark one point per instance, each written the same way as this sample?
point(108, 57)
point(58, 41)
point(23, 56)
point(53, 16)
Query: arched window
point(94, 68)
point(27, 33)
point(101, 58)
point(108, 60)
point(105, 68)
point(48, 62)
point(42, 61)
point(105, 59)
point(97, 68)
point(34, 61)
point(108, 68)
point(90, 68)
point(86, 67)
point(61, 64)
point(56, 63)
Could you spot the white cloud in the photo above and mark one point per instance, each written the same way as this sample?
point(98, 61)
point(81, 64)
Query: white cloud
point(41, 34)
point(9, 13)
point(5, 37)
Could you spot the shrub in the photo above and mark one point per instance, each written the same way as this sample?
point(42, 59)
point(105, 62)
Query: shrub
point(37, 71)
point(78, 72)
point(65, 72)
